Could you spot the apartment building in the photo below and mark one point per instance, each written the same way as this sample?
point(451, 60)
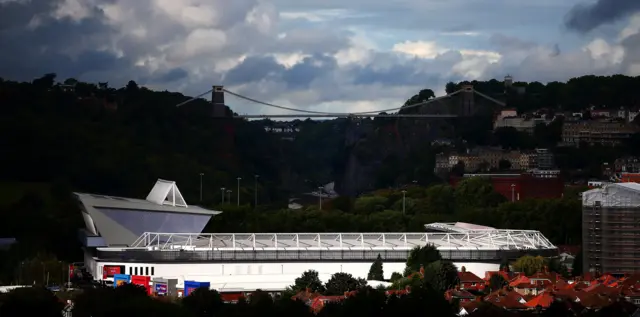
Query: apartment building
point(600, 132)
point(610, 226)
point(490, 159)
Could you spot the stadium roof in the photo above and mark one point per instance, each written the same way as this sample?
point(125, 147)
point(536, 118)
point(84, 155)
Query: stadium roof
point(485, 239)
point(164, 196)
point(119, 220)
point(460, 227)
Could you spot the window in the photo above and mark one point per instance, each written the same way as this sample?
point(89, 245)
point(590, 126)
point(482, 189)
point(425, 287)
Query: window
point(146, 270)
point(152, 270)
point(135, 271)
point(131, 270)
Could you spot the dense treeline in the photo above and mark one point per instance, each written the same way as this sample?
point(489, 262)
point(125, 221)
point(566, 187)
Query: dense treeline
point(382, 211)
point(608, 92)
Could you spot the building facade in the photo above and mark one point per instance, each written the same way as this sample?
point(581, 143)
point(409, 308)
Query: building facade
point(597, 132)
point(522, 186)
point(611, 228)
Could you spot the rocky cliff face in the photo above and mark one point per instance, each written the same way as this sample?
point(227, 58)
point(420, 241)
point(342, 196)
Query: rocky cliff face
point(370, 145)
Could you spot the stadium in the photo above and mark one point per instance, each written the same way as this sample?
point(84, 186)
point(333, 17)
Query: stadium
point(161, 237)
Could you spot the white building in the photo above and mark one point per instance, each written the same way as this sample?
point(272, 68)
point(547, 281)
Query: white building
point(169, 245)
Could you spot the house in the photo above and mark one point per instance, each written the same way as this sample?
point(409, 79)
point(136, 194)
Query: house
point(470, 281)
point(460, 295)
point(507, 299)
point(543, 300)
point(470, 307)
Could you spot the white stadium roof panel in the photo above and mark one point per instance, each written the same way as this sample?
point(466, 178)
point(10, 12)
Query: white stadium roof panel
point(472, 239)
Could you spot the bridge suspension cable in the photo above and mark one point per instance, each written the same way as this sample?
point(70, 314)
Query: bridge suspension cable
point(341, 114)
point(330, 114)
point(194, 98)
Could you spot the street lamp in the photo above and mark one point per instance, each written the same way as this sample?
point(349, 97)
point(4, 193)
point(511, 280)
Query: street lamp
point(238, 189)
point(229, 195)
point(513, 188)
point(201, 174)
point(320, 196)
point(255, 190)
point(222, 190)
point(404, 194)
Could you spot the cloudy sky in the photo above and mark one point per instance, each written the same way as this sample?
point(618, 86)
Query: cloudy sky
point(326, 55)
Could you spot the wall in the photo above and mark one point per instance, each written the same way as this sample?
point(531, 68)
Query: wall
point(266, 275)
point(526, 186)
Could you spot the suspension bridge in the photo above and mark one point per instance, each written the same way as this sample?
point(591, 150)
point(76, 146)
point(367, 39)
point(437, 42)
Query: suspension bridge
point(467, 92)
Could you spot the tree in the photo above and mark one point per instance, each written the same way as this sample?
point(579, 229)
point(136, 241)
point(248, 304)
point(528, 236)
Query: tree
point(556, 266)
point(422, 257)
point(529, 265)
point(132, 86)
point(504, 265)
point(339, 283)
point(576, 267)
point(496, 282)
point(441, 275)
point(395, 276)
point(309, 280)
point(370, 204)
point(375, 272)
point(30, 301)
point(203, 302)
point(46, 81)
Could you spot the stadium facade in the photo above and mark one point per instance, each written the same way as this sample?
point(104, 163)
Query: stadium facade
point(161, 237)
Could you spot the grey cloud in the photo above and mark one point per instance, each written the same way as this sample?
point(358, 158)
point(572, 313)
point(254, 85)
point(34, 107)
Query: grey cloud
point(509, 43)
point(460, 28)
point(27, 53)
point(253, 69)
point(257, 68)
point(632, 51)
point(586, 17)
point(302, 74)
point(172, 75)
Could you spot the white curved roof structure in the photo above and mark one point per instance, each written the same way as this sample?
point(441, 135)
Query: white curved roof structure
point(472, 238)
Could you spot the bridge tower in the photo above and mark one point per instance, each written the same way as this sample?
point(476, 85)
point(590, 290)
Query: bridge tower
point(218, 108)
point(468, 101)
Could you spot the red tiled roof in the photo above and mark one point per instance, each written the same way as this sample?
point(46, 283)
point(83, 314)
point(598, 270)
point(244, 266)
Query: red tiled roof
point(521, 279)
point(593, 300)
point(507, 301)
point(543, 300)
point(457, 293)
point(471, 306)
point(469, 277)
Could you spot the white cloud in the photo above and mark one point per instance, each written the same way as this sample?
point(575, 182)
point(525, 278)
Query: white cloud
point(422, 49)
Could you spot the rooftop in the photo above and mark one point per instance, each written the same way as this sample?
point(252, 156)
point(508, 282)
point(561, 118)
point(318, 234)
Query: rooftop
point(467, 237)
point(613, 195)
point(164, 197)
point(118, 221)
